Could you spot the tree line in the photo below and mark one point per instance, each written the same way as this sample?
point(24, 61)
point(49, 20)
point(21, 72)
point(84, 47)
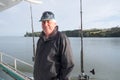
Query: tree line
point(110, 32)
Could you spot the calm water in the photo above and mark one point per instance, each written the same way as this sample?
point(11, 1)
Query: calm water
point(102, 54)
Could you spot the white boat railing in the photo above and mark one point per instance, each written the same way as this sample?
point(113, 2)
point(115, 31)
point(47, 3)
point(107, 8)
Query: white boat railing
point(4, 59)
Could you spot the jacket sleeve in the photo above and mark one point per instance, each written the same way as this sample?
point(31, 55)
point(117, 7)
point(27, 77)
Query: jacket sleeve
point(66, 58)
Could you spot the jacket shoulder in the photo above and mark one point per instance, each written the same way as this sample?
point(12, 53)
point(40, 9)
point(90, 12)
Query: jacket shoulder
point(62, 35)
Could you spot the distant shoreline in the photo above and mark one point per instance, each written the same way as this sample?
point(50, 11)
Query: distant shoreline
point(110, 32)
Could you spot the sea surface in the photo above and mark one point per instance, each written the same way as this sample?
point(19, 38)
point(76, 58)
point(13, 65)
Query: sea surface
point(102, 54)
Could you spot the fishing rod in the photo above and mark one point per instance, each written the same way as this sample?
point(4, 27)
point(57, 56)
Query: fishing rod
point(82, 76)
point(82, 67)
point(33, 2)
point(32, 32)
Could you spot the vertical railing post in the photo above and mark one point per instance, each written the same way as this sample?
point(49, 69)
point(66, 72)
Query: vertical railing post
point(15, 64)
point(1, 57)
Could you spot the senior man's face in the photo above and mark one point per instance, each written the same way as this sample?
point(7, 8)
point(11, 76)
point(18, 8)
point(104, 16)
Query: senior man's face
point(48, 26)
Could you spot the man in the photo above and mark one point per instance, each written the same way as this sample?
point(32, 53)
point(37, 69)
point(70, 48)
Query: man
point(53, 60)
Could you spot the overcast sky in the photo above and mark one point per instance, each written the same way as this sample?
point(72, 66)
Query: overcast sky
point(100, 14)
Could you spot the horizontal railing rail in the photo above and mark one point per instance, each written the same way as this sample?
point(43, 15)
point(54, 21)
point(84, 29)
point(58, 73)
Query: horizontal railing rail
point(15, 61)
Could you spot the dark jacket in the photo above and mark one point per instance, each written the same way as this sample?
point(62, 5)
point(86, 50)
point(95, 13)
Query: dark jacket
point(53, 60)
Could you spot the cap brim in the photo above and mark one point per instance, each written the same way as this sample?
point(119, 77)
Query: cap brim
point(45, 20)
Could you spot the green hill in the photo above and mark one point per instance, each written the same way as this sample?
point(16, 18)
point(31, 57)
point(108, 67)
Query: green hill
point(111, 32)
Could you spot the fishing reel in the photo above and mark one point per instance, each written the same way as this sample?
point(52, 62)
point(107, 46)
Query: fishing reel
point(83, 76)
point(33, 59)
point(92, 71)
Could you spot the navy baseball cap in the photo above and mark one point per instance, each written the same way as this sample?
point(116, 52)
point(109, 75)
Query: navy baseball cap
point(47, 15)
